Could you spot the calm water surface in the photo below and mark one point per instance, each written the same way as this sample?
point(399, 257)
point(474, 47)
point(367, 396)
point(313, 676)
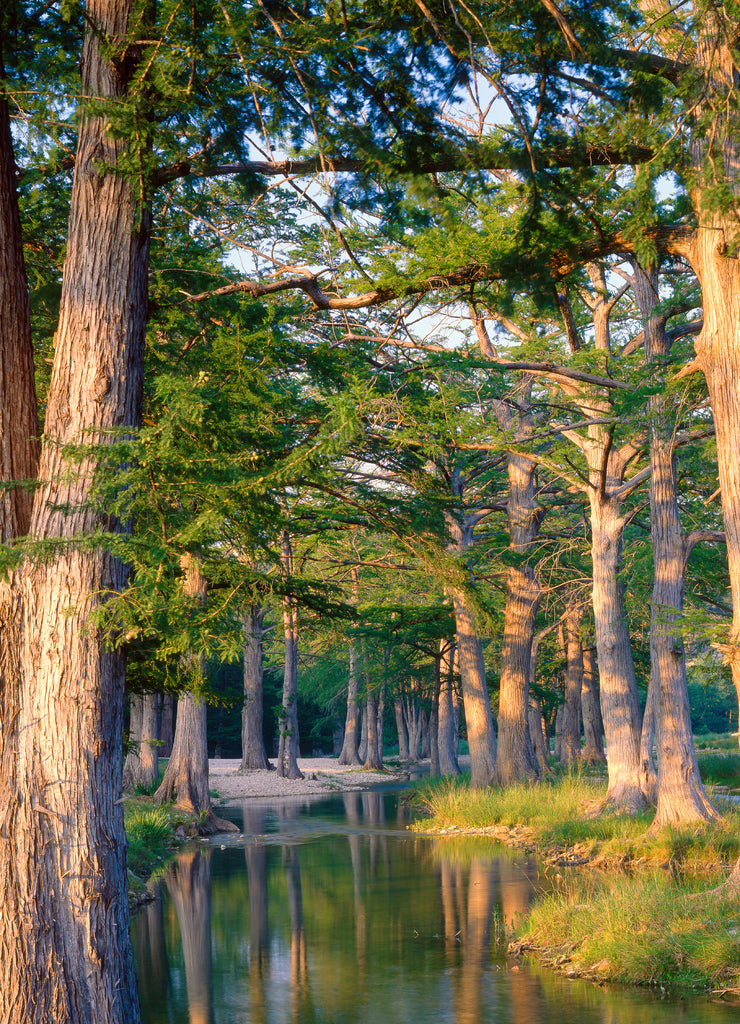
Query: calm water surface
point(328, 911)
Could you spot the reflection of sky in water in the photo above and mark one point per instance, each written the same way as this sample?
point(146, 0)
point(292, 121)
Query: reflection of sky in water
point(340, 915)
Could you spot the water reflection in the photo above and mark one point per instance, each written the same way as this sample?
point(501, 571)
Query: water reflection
point(333, 912)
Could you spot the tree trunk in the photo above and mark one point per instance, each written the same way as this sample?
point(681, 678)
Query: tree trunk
point(403, 735)
point(131, 764)
point(186, 776)
point(362, 749)
point(618, 687)
point(350, 754)
point(537, 733)
point(381, 721)
point(648, 771)
point(19, 425)
point(166, 724)
point(148, 745)
point(558, 743)
point(681, 796)
point(254, 755)
point(593, 727)
point(570, 750)
point(64, 928)
point(425, 742)
point(373, 760)
point(476, 702)
point(446, 739)
point(287, 765)
point(515, 759)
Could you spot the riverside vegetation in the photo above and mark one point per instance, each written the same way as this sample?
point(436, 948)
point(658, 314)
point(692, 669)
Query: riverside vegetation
point(655, 907)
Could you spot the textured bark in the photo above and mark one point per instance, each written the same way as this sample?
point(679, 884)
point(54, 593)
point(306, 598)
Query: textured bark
point(131, 764)
point(537, 734)
point(425, 742)
point(681, 796)
point(648, 771)
point(254, 755)
point(558, 740)
point(618, 686)
point(570, 750)
point(434, 722)
point(64, 926)
point(476, 702)
point(593, 727)
point(287, 765)
point(373, 757)
point(186, 776)
point(166, 724)
point(148, 744)
point(401, 730)
point(515, 757)
point(381, 721)
point(350, 753)
point(446, 734)
point(414, 724)
point(19, 425)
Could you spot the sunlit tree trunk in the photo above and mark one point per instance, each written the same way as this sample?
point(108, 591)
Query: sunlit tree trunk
point(186, 776)
point(515, 756)
point(287, 765)
point(681, 796)
point(350, 754)
point(64, 927)
point(254, 755)
point(373, 758)
point(148, 743)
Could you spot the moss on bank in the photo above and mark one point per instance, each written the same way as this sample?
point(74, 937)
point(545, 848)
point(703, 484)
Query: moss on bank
point(647, 916)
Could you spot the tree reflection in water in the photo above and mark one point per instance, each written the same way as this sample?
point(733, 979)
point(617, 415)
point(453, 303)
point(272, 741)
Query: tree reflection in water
point(346, 916)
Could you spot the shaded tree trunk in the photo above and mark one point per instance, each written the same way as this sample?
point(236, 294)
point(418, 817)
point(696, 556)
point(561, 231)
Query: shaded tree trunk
point(166, 724)
point(649, 774)
point(571, 742)
point(131, 764)
point(593, 727)
point(350, 754)
point(447, 740)
point(373, 758)
point(403, 736)
point(148, 745)
point(287, 765)
point(19, 425)
point(254, 755)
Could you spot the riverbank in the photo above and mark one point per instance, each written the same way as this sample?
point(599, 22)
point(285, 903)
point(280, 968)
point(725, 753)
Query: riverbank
point(628, 906)
point(321, 775)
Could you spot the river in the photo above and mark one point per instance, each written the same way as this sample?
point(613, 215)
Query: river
point(327, 910)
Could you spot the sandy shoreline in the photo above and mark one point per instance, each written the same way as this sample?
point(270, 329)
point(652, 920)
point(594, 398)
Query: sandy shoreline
point(322, 775)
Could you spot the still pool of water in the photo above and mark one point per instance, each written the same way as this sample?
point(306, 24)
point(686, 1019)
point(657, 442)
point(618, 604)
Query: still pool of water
point(329, 911)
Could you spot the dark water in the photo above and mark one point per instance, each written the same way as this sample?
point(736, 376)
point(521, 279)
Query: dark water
point(328, 911)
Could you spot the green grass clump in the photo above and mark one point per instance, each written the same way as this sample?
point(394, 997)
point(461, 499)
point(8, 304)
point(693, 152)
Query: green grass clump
point(716, 741)
point(557, 809)
point(640, 930)
point(150, 832)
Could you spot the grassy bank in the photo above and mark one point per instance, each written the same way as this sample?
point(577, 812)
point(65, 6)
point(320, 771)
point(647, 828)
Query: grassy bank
point(152, 834)
point(636, 917)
